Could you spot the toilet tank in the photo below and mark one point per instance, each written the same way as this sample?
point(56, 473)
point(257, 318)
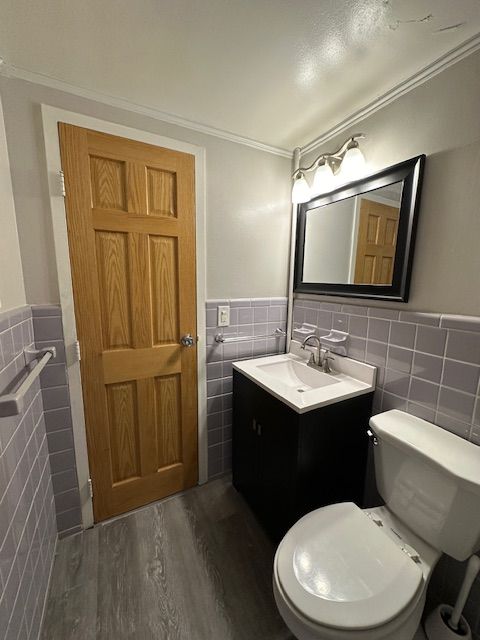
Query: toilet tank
point(430, 479)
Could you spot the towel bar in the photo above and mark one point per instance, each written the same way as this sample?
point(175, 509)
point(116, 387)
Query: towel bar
point(11, 404)
point(220, 338)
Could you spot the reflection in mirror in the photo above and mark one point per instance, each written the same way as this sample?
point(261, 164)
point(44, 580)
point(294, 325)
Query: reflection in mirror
point(353, 241)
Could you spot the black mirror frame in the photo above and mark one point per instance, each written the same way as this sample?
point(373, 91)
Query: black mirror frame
point(411, 173)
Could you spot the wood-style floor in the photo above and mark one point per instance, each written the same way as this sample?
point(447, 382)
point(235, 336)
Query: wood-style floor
point(193, 567)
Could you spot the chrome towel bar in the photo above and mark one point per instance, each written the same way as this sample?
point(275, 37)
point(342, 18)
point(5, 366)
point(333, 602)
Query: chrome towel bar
point(11, 404)
point(220, 338)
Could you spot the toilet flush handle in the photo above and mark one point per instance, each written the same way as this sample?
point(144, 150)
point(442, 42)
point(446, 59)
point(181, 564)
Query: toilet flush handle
point(372, 437)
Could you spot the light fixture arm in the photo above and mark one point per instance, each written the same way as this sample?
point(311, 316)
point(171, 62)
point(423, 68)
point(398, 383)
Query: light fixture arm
point(333, 160)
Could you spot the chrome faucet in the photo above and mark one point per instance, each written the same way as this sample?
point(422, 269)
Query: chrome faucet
point(313, 359)
point(323, 355)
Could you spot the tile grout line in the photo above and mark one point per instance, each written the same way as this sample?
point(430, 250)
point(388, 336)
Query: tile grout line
point(475, 407)
point(445, 348)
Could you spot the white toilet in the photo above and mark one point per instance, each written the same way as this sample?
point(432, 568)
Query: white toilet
point(341, 573)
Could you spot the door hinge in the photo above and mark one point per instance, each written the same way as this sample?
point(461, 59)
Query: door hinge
point(90, 487)
point(77, 351)
point(62, 182)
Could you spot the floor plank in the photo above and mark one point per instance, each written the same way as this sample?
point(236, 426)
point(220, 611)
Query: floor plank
point(196, 566)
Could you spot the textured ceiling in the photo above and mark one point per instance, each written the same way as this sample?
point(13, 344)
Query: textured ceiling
point(276, 71)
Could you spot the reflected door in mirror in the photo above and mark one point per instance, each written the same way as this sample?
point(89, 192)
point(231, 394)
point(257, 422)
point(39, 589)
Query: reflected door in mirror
point(377, 240)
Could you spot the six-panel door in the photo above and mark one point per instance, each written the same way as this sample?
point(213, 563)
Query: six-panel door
point(131, 230)
point(377, 242)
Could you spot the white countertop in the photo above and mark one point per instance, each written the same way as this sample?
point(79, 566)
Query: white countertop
point(293, 381)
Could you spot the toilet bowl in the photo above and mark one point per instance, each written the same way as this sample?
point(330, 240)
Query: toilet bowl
point(343, 573)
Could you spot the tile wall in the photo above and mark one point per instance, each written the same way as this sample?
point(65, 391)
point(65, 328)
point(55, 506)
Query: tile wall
point(27, 509)
point(248, 317)
point(428, 365)
point(48, 330)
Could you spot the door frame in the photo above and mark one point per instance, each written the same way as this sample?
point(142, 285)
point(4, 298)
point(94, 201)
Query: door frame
point(51, 116)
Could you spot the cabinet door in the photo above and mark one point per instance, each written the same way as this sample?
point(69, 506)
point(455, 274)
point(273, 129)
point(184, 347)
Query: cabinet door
point(245, 439)
point(277, 426)
point(332, 454)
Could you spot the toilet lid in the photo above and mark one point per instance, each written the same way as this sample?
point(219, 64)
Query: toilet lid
point(339, 569)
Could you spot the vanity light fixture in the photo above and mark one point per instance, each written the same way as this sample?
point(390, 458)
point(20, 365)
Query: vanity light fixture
point(348, 162)
point(300, 189)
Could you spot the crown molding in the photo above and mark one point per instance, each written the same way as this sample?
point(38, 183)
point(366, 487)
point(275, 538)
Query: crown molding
point(11, 71)
point(400, 89)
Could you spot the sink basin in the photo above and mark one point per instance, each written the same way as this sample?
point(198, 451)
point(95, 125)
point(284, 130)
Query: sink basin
point(289, 378)
point(297, 375)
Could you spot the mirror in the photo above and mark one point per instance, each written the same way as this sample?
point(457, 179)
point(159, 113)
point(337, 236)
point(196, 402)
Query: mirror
point(365, 231)
point(358, 240)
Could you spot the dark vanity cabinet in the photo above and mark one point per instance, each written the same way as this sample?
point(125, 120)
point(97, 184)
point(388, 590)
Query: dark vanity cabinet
point(285, 464)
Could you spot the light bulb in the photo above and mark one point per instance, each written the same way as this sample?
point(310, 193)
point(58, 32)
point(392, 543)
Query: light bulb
point(300, 190)
point(353, 163)
point(323, 180)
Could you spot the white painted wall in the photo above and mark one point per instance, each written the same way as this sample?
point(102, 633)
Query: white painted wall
point(441, 119)
point(248, 199)
point(12, 290)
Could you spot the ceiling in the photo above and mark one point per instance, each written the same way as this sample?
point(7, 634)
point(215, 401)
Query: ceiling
point(276, 71)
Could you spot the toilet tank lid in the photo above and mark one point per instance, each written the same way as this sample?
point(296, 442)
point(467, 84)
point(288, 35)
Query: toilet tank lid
point(456, 456)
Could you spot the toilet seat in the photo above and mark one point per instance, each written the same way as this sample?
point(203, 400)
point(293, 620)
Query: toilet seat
point(338, 569)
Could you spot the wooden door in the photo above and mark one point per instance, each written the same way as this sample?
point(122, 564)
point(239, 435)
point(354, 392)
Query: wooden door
point(377, 240)
point(131, 230)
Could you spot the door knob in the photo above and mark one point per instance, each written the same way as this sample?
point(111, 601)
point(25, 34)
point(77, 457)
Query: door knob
point(187, 340)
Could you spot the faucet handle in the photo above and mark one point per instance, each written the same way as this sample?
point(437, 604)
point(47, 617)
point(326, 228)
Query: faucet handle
point(325, 360)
